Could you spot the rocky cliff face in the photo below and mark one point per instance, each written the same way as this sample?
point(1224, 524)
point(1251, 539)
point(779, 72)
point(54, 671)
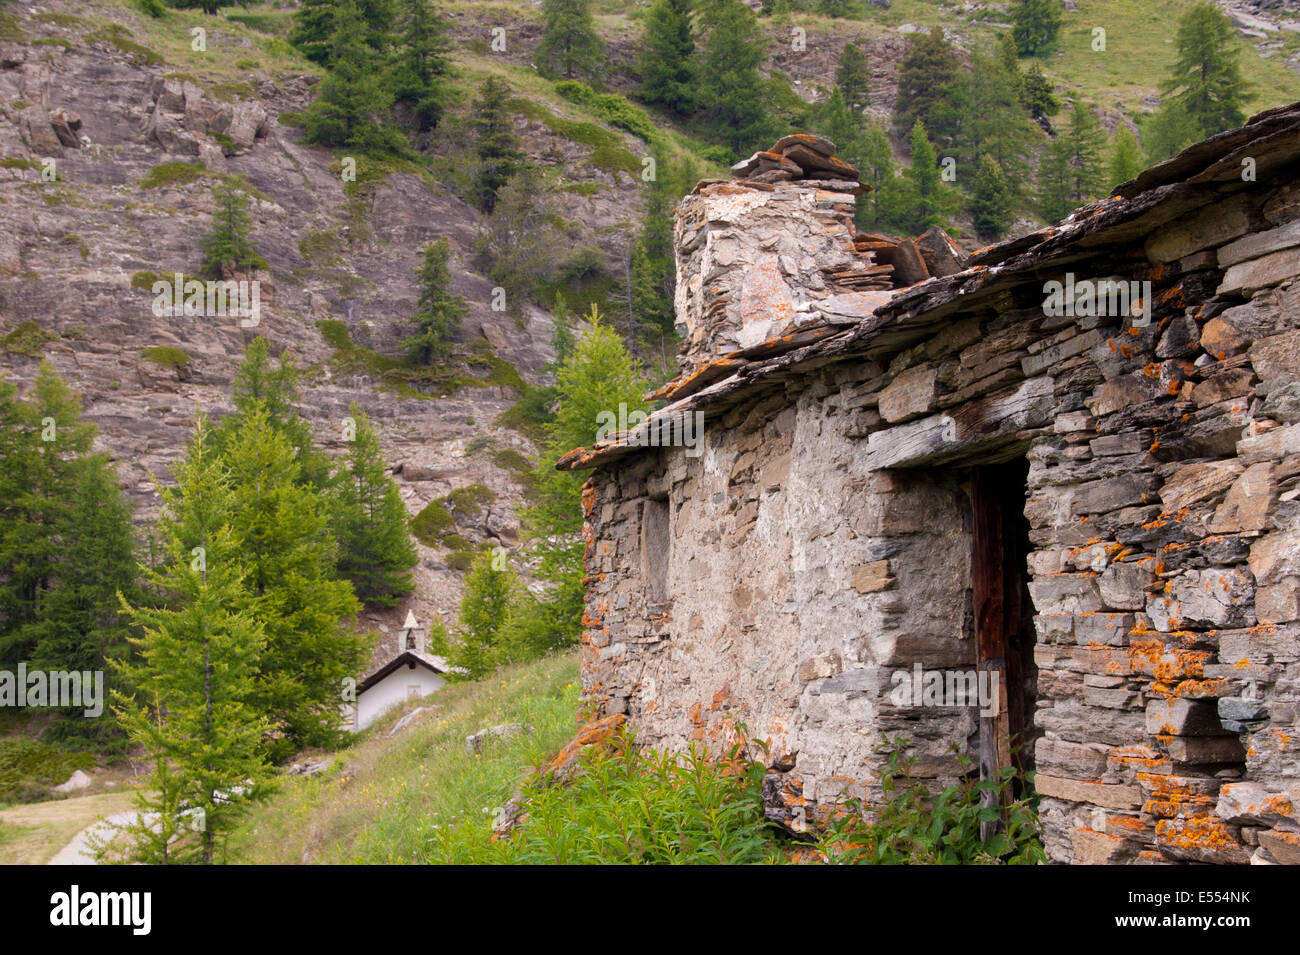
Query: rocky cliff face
point(78, 256)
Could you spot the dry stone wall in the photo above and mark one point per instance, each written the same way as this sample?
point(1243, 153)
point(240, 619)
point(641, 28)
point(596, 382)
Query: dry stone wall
point(774, 582)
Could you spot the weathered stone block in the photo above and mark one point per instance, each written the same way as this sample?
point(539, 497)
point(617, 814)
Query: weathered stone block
point(910, 395)
point(1097, 794)
point(1105, 629)
point(1179, 717)
point(1204, 598)
point(1123, 585)
point(1065, 594)
point(1272, 269)
point(1211, 226)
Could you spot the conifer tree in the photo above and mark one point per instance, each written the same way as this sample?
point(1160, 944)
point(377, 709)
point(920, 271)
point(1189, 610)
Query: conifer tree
point(421, 69)
point(291, 589)
point(272, 388)
point(570, 44)
point(995, 123)
point(194, 678)
point(489, 592)
point(924, 201)
point(1036, 95)
point(876, 168)
point(47, 437)
point(1054, 179)
point(495, 142)
point(375, 549)
point(353, 100)
point(667, 52)
point(226, 246)
point(440, 312)
point(314, 25)
point(730, 86)
point(928, 67)
point(81, 624)
point(1085, 141)
point(853, 76)
point(1125, 156)
point(598, 377)
point(1036, 26)
point(991, 199)
point(1205, 83)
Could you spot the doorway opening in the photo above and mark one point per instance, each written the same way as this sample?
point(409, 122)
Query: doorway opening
point(1003, 614)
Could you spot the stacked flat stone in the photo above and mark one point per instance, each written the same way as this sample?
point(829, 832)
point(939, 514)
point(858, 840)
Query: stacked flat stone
point(799, 156)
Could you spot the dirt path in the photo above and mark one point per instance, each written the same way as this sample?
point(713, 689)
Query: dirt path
point(37, 832)
point(79, 851)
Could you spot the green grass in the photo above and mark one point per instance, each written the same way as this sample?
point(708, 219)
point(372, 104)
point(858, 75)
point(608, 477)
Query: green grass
point(384, 801)
point(172, 174)
point(28, 339)
point(166, 356)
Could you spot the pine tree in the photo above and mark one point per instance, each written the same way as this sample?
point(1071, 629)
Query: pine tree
point(1086, 142)
point(1054, 179)
point(598, 377)
point(226, 246)
point(314, 25)
point(928, 67)
point(483, 609)
point(438, 319)
point(291, 589)
point(375, 549)
point(570, 43)
point(420, 72)
point(1125, 157)
point(923, 199)
point(81, 625)
point(495, 143)
point(876, 169)
point(730, 86)
point(991, 199)
point(260, 385)
point(833, 8)
point(853, 77)
point(1036, 26)
point(47, 438)
point(353, 100)
point(995, 123)
point(210, 7)
point(191, 711)
point(667, 51)
point(1205, 82)
point(1036, 95)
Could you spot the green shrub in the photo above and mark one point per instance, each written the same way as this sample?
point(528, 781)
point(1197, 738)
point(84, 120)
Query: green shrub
point(54, 41)
point(914, 827)
point(166, 356)
point(610, 107)
point(27, 339)
point(630, 805)
point(469, 499)
point(509, 459)
point(456, 542)
point(28, 768)
point(461, 560)
point(431, 524)
point(172, 174)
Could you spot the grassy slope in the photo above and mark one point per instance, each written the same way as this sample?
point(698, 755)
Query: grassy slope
point(32, 834)
point(1139, 47)
point(381, 799)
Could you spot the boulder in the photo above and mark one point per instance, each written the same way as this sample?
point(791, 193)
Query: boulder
point(77, 781)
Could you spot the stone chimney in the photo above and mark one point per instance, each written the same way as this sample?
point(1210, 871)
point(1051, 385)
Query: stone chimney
point(773, 253)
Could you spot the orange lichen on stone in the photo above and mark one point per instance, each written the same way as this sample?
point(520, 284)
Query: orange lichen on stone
point(1197, 832)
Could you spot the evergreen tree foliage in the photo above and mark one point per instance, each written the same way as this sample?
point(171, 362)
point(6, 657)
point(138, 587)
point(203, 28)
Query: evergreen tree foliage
point(44, 440)
point(570, 44)
point(992, 201)
point(1125, 156)
point(730, 87)
point(271, 386)
point(423, 64)
point(375, 549)
point(1036, 95)
point(489, 593)
point(226, 246)
point(198, 655)
point(291, 589)
point(923, 200)
point(995, 123)
point(667, 54)
point(495, 143)
point(853, 77)
point(928, 67)
point(1072, 173)
point(1036, 26)
point(598, 377)
point(315, 23)
point(1206, 85)
point(353, 100)
point(438, 319)
point(877, 209)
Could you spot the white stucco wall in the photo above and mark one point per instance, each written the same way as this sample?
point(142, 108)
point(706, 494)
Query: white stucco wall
point(394, 689)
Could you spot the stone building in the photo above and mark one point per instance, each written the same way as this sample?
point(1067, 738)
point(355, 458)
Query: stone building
point(1071, 460)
